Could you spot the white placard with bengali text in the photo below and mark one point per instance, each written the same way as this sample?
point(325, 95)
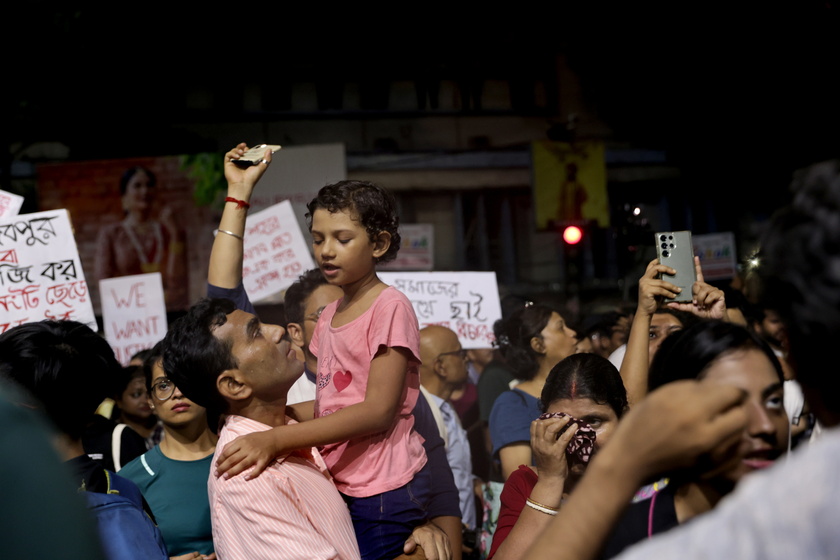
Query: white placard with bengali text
point(133, 313)
point(41, 276)
point(275, 252)
point(10, 204)
point(466, 302)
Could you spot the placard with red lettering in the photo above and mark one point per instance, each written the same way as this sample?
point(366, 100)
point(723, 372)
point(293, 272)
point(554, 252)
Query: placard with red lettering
point(466, 302)
point(41, 276)
point(275, 252)
point(133, 313)
point(10, 204)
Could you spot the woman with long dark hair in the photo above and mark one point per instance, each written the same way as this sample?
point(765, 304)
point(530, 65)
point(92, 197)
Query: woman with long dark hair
point(532, 341)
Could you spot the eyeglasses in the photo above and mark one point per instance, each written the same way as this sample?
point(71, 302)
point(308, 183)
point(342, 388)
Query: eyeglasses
point(459, 353)
point(163, 389)
point(316, 314)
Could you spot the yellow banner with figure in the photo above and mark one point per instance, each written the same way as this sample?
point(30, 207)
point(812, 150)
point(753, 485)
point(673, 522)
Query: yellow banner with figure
point(570, 183)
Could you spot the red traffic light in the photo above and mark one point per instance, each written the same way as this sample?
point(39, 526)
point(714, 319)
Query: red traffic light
point(572, 235)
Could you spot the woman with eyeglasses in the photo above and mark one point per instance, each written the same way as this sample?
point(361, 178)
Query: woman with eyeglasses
point(173, 475)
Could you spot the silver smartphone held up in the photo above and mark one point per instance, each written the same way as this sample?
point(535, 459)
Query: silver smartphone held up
point(254, 155)
point(674, 249)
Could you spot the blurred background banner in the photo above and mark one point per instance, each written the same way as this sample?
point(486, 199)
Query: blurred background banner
point(157, 214)
point(718, 254)
point(417, 250)
point(569, 183)
point(110, 245)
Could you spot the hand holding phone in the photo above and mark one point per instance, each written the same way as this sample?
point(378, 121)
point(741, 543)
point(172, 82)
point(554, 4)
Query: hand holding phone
point(674, 249)
point(254, 155)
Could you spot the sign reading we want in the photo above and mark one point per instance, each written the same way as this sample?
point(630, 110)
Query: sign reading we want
point(41, 276)
point(133, 313)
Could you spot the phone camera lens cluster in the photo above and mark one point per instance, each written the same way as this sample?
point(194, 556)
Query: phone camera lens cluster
point(666, 245)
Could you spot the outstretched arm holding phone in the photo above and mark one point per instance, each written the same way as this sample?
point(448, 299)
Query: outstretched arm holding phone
point(225, 270)
point(707, 302)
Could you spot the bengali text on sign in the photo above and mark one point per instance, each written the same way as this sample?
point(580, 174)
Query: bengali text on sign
point(41, 276)
point(466, 302)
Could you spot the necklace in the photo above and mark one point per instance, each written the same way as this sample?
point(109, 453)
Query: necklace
point(145, 264)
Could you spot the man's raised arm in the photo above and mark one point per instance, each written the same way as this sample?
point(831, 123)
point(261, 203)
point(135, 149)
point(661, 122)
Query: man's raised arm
point(225, 270)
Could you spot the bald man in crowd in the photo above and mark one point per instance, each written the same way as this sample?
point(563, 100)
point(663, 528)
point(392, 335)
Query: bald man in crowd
point(443, 370)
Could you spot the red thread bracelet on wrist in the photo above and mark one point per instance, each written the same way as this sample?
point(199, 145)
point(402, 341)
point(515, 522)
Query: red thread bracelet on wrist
point(239, 203)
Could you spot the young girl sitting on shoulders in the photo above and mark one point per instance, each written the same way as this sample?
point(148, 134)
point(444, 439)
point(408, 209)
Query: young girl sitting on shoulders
point(367, 344)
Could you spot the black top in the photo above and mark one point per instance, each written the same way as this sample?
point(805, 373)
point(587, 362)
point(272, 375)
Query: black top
point(97, 442)
point(637, 523)
point(88, 475)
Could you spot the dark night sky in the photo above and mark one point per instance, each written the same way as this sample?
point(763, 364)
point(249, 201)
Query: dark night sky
point(739, 97)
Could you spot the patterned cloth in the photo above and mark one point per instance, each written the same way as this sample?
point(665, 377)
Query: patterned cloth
point(491, 506)
point(581, 446)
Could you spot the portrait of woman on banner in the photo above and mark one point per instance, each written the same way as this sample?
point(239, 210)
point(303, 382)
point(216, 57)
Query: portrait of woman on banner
point(140, 244)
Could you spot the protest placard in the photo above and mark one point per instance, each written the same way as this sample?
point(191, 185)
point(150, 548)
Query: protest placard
point(417, 249)
point(466, 302)
point(275, 252)
point(41, 276)
point(718, 254)
point(133, 313)
point(10, 204)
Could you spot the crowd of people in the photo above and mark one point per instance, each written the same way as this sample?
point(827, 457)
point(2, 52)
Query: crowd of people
point(701, 428)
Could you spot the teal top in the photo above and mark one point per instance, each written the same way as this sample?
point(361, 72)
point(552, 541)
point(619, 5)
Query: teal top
point(176, 491)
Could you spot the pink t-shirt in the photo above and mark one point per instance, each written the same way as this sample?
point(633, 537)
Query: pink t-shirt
point(375, 463)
